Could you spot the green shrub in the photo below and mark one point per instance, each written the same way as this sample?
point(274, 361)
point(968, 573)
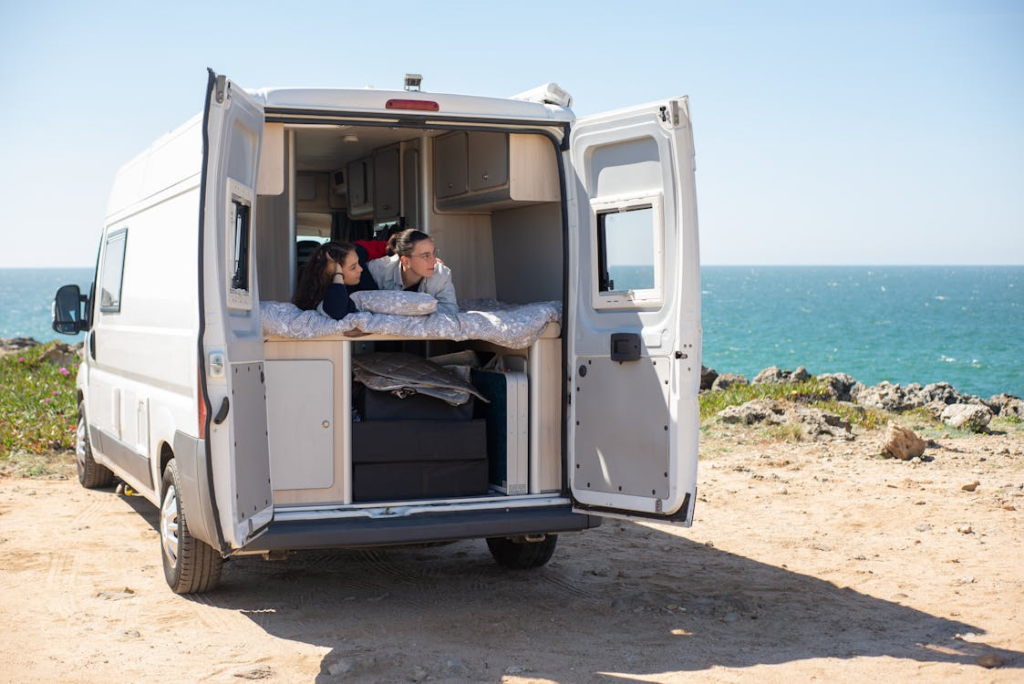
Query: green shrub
point(38, 410)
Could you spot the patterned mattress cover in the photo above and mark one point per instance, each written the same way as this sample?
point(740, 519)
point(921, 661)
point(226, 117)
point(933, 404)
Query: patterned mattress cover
point(516, 326)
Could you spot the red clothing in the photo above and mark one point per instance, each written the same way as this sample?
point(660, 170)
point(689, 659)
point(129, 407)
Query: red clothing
point(375, 249)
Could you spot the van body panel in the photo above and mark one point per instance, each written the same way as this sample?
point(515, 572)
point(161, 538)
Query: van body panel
point(375, 102)
point(232, 336)
point(629, 417)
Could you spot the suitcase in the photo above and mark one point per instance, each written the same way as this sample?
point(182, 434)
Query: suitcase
point(508, 422)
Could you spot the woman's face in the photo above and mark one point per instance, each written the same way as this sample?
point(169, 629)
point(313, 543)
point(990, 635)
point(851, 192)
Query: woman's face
point(421, 261)
point(350, 268)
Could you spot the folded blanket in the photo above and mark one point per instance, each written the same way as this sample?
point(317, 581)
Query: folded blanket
point(516, 326)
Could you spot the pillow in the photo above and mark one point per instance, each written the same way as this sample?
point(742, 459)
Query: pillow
point(395, 302)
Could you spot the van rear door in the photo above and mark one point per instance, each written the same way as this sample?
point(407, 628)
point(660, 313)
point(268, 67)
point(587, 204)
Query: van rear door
point(232, 375)
point(634, 314)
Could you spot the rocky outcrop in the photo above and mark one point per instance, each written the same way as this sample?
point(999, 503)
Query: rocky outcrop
point(1006, 405)
point(16, 344)
point(884, 396)
point(814, 424)
point(726, 380)
point(902, 443)
point(775, 375)
point(707, 377)
point(838, 385)
point(973, 417)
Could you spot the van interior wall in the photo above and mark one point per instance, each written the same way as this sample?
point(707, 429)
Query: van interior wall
point(528, 253)
point(274, 274)
point(464, 243)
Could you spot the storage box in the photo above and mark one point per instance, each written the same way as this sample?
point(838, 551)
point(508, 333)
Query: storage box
point(374, 405)
point(418, 459)
point(508, 422)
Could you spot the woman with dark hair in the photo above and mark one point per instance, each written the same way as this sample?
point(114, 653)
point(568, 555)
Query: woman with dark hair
point(413, 265)
point(330, 275)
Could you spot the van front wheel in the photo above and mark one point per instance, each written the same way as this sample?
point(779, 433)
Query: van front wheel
point(190, 566)
point(91, 474)
point(520, 554)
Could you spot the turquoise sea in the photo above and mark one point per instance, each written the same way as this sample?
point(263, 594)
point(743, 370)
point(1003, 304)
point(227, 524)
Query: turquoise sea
point(958, 324)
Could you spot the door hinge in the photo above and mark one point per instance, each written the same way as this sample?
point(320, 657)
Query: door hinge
point(670, 113)
point(222, 91)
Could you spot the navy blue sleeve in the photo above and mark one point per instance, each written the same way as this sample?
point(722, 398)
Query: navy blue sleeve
point(366, 281)
point(336, 302)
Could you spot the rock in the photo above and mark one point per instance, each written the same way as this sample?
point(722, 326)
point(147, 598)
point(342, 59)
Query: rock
point(775, 376)
point(884, 395)
point(60, 354)
point(754, 411)
point(939, 391)
point(1014, 408)
point(989, 660)
point(16, 344)
point(707, 377)
point(965, 529)
point(902, 443)
point(838, 385)
point(726, 380)
point(817, 424)
point(971, 417)
point(970, 486)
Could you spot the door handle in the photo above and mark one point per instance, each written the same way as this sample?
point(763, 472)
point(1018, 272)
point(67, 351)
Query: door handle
point(222, 412)
point(625, 347)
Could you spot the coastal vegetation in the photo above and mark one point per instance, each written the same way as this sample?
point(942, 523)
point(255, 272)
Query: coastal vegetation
point(38, 411)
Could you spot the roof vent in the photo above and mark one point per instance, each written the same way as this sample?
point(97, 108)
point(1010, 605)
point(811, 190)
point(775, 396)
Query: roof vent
point(549, 93)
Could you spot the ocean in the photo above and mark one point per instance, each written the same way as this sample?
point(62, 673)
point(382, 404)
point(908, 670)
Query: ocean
point(958, 324)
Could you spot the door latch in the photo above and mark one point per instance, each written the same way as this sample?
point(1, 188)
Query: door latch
point(625, 347)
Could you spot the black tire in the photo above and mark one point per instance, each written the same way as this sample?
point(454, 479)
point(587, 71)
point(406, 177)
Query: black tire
point(519, 554)
point(190, 565)
point(91, 474)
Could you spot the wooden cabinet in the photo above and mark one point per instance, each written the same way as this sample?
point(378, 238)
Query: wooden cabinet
point(493, 170)
point(360, 188)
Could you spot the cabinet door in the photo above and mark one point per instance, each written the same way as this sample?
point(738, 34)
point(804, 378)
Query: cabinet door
point(360, 188)
point(488, 160)
point(450, 165)
point(386, 184)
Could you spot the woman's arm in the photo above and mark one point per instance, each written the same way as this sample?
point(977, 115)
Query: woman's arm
point(440, 285)
point(337, 304)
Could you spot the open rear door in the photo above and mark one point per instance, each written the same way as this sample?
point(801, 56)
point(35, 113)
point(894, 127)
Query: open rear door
point(634, 315)
point(234, 382)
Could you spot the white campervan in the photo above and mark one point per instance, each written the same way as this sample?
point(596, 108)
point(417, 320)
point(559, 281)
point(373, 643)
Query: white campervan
point(573, 249)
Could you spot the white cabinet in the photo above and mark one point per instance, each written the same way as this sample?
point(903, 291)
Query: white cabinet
point(387, 192)
point(493, 170)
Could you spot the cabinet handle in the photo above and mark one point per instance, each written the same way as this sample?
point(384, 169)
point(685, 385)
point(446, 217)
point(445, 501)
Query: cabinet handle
point(485, 176)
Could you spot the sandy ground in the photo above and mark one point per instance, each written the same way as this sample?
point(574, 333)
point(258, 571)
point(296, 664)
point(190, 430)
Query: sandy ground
point(807, 562)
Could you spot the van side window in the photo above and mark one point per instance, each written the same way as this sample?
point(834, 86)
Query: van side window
point(626, 250)
point(238, 268)
point(240, 257)
point(112, 270)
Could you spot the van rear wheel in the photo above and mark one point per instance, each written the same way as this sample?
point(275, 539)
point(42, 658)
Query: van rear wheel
point(519, 554)
point(91, 474)
point(190, 565)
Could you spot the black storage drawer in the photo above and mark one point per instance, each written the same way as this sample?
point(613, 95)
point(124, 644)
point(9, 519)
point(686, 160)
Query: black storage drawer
point(373, 405)
point(413, 459)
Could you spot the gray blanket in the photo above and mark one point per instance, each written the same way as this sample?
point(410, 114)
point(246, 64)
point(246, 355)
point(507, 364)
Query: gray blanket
point(513, 326)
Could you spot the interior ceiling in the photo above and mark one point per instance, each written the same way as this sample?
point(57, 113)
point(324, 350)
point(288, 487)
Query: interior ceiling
point(326, 148)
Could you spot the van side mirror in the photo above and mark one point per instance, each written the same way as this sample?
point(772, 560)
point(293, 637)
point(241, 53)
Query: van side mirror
point(67, 311)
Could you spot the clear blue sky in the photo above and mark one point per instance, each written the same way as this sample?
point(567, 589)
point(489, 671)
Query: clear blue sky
point(826, 132)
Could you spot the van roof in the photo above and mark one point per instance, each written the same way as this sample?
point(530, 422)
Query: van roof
point(373, 100)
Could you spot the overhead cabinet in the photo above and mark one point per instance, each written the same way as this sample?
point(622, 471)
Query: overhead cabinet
point(493, 170)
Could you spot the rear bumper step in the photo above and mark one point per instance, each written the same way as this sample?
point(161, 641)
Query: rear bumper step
point(292, 535)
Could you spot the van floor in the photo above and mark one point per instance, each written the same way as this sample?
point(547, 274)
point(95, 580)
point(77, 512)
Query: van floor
point(807, 560)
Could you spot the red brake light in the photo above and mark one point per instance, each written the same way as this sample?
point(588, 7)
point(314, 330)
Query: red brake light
point(417, 105)
point(201, 401)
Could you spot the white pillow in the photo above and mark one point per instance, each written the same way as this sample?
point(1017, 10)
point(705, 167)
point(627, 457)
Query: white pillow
point(395, 302)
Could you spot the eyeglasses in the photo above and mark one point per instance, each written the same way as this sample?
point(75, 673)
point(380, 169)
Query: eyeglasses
point(428, 256)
